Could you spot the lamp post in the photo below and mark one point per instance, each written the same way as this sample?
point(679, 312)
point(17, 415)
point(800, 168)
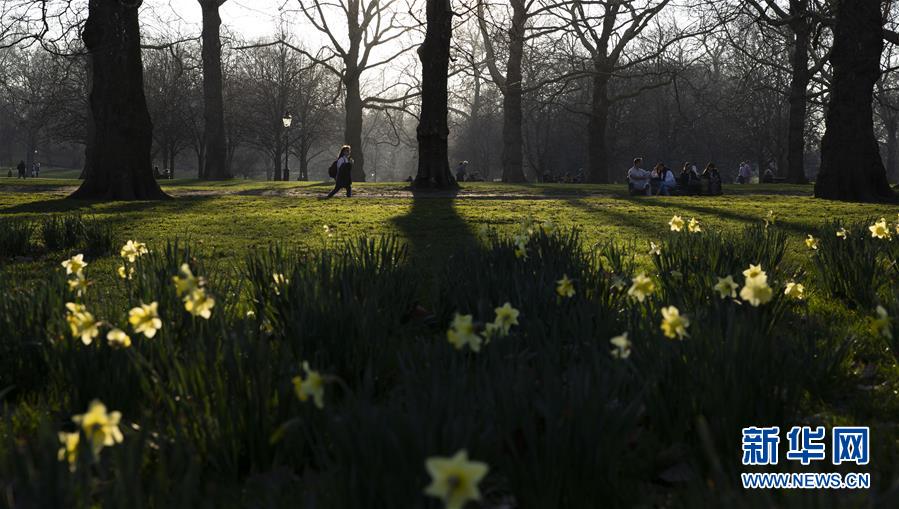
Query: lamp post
point(287, 120)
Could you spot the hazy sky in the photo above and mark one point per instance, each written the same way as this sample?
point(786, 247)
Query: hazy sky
point(250, 18)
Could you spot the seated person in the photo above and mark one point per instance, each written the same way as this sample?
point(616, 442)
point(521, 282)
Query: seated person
point(768, 177)
point(668, 182)
point(689, 182)
point(657, 175)
point(711, 180)
point(638, 179)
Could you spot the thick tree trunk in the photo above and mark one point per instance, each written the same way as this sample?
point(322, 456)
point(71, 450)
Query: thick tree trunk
point(513, 144)
point(801, 29)
point(213, 102)
point(276, 162)
point(598, 150)
point(353, 132)
point(892, 129)
point(851, 167)
point(120, 150)
point(433, 162)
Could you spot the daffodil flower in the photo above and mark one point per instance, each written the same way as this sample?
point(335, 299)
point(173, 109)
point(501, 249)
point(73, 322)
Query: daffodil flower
point(565, 287)
point(74, 265)
point(82, 324)
point(641, 288)
point(880, 230)
point(795, 291)
point(756, 291)
point(674, 325)
point(69, 449)
point(145, 319)
point(455, 480)
point(461, 333)
point(506, 317)
point(882, 324)
point(117, 338)
point(811, 242)
point(676, 224)
point(310, 386)
point(199, 303)
point(100, 427)
point(693, 226)
point(132, 250)
point(726, 287)
point(622, 346)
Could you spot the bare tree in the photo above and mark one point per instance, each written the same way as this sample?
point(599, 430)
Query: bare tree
point(215, 165)
point(851, 167)
point(433, 131)
point(510, 84)
point(803, 20)
point(119, 145)
point(605, 28)
point(372, 27)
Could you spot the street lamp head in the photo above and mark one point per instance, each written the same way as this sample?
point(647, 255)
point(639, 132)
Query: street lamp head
point(288, 119)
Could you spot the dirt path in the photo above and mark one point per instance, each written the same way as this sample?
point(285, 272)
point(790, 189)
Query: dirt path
point(320, 191)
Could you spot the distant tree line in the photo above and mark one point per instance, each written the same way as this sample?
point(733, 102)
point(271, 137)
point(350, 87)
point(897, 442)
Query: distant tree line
point(521, 90)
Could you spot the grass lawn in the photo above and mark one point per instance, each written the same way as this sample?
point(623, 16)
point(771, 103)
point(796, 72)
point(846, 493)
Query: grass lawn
point(235, 216)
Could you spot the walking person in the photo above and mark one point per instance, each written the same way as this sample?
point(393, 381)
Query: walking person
point(343, 167)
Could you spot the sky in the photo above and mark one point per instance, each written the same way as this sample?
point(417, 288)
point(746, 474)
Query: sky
point(252, 19)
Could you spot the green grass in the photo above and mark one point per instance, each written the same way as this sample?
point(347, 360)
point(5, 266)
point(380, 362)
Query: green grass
point(236, 216)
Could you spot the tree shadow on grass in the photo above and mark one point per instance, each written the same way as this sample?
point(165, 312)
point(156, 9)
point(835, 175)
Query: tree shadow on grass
point(433, 231)
point(65, 205)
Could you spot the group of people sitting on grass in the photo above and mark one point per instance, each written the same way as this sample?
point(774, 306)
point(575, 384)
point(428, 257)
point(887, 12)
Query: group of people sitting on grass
point(663, 181)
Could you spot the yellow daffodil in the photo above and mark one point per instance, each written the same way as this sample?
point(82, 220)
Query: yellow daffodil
point(198, 303)
point(313, 385)
point(726, 287)
point(125, 273)
point(100, 428)
point(82, 323)
point(455, 480)
point(811, 242)
point(74, 265)
point(622, 346)
point(565, 287)
point(145, 319)
point(655, 249)
point(756, 291)
point(676, 224)
point(132, 250)
point(461, 333)
point(69, 449)
point(770, 218)
point(693, 226)
point(79, 284)
point(674, 325)
point(118, 338)
point(185, 281)
point(506, 317)
point(279, 282)
point(795, 291)
point(755, 271)
point(880, 230)
point(843, 233)
point(882, 324)
point(328, 230)
point(641, 288)
point(549, 227)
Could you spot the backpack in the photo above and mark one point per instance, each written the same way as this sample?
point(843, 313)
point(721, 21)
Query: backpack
point(332, 170)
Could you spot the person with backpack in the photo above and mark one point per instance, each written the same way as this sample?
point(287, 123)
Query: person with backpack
point(341, 172)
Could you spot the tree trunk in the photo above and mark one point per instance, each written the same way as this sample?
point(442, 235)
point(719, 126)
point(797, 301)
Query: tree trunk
point(892, 128)
point(276, 162)
point(353, 132)
point(213, 102)
point(433, 162)
point(801, 29)
point(513, 170)
point(120, 153)
point(598, 150)
point(851, 167)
